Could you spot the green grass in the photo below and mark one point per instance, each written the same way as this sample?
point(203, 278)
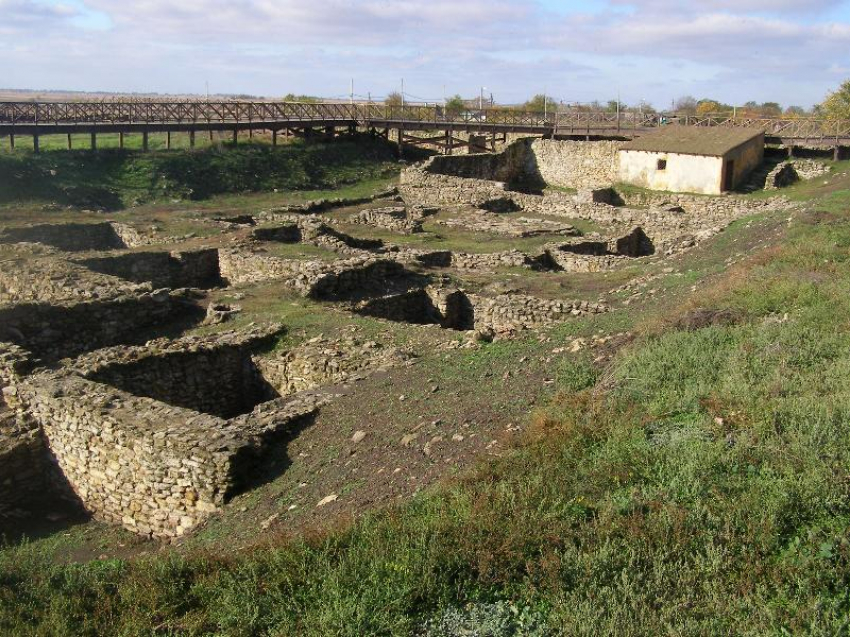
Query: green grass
point(699, 485)
point(114, 179)
point(132, 141)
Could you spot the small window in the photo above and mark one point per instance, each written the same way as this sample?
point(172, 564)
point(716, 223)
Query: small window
point(662, 164)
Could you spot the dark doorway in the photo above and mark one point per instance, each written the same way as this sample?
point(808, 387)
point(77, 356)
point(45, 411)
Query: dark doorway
point(729, 175)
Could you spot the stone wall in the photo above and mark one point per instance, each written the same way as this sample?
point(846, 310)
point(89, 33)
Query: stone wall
point(190, 269)
point(789, 172)
point(285, 233)
point(150, 467)
point(241, 266)
point(322, 361)
point(155, 468)
point(337, 280)
point(414, 307)
point(394, 218)
point(70, 237)
point(511, 227)
point(477, 179)
point(574, 164)
point(24, 469)
point(456, 309)
point(507, 313)
point(421, 187)
point(220, 380)
point(506, 166)
point(26, 275)
point(54, 331)
point(358, 277)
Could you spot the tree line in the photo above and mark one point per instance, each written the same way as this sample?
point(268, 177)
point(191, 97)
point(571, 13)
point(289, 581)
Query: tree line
point(836, 105)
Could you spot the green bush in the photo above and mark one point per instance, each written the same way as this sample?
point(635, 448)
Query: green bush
point(113, 179)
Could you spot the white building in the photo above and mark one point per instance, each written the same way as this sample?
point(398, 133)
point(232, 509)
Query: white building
point(691, 159)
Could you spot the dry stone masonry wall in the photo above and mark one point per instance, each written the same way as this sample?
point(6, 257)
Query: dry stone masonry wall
point(58, 330)
point(574, 164)
point(188, 269)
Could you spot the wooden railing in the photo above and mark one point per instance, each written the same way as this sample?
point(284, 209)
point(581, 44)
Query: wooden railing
point(165, 112)
point(240, 112)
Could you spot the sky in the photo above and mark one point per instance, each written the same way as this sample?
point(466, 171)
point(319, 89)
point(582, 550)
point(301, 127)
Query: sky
point(788, 51)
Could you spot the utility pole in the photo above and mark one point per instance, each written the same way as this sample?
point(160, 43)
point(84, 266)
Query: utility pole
point(545, 106)
point(402, 92)
point(481, 99)
point(352, 90)
point(618, 110)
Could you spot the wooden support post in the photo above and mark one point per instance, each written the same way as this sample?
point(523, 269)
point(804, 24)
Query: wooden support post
point(192, 138)
point(836, 153)
point(121, 140)
point(69, 142)
point(94, 141)
point(11, 141)
point(274, 137)
point(330, 131)
point(145, 141)
point(400, 142)
point(790, 152)
point(235, 136)
point(448, 143)
point(211, 136)
point(250, 133)
point(35, 147)
point(168, 140)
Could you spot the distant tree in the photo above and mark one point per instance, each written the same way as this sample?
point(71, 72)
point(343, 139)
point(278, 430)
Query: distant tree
point(540, 103)
point(771, 109)
point(291, 97)
point(455, 104)
point(795, 111)
point(394, 99)
point(708, 106)
point(837, 103)
point(612, 106)
point(686, 104)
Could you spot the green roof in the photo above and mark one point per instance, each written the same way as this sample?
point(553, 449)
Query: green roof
point(693, 140)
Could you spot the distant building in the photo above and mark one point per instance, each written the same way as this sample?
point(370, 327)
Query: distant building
point(692, 159)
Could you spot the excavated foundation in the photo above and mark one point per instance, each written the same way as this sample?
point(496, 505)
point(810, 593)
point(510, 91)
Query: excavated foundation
point(223, 382)
point(55, 331)
point(70, 237)
point(193, 269)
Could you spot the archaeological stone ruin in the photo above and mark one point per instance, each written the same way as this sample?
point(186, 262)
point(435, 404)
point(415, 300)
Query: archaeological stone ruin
point(142, 384)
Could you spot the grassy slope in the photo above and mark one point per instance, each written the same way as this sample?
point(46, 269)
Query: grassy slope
point(698, 486)
point(113, 179)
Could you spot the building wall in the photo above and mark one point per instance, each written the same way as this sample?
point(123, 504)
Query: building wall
point(746, 157)
point(684, 173)
point(689, 173)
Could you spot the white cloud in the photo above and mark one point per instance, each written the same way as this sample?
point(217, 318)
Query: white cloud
point(656, 49)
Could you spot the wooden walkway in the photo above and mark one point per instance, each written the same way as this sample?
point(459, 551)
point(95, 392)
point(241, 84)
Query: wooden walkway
point(124, 117)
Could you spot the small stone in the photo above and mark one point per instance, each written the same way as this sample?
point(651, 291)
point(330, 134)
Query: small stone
point(327, 500)
point(358, 436)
